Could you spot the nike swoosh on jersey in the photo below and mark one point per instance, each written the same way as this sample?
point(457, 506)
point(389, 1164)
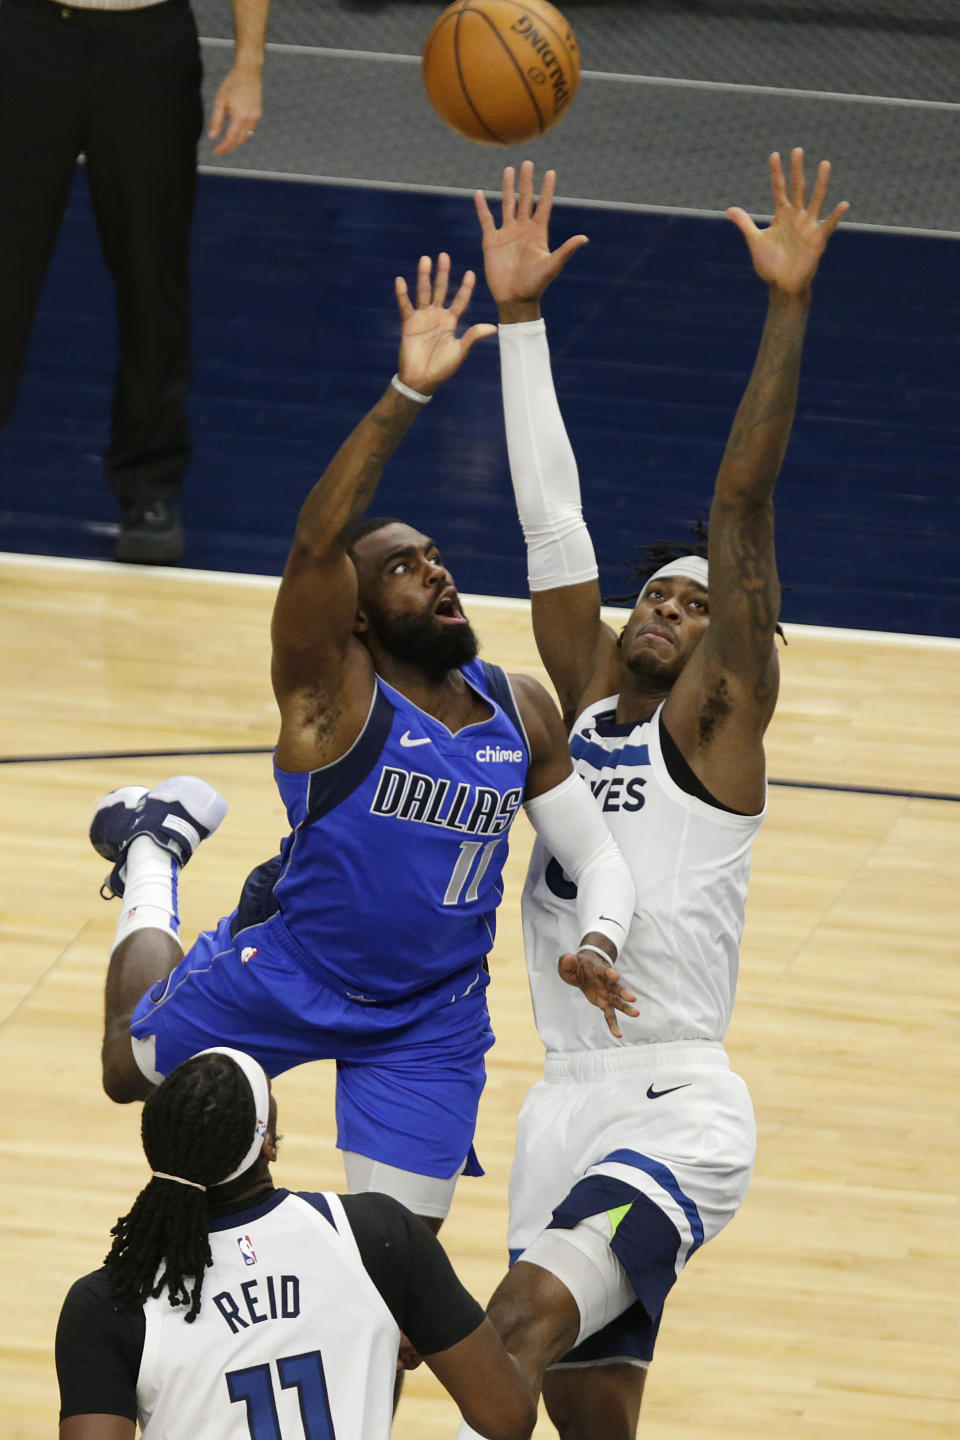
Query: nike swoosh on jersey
point(406, 739)
point(656, 1094)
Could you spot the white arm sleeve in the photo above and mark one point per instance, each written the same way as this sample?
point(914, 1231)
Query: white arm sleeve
point(542, 464)
point(571, 826)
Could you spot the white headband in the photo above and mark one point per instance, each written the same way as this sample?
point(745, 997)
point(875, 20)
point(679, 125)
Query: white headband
point(260, 1087)
point(690, 567)
point(178, 1179)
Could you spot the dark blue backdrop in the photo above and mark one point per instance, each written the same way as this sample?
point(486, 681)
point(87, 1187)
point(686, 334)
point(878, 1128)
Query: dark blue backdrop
point(653, 328)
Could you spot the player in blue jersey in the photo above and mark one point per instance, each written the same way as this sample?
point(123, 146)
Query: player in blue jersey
point(402, 760)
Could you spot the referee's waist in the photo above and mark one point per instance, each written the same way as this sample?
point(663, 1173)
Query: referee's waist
point(156, 13)
point(564, 1066)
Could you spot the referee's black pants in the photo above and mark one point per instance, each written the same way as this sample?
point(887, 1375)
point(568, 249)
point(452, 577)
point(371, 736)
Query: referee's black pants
point(122, 88)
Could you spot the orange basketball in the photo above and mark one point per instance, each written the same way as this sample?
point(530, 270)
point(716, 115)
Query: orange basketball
point(501, 71)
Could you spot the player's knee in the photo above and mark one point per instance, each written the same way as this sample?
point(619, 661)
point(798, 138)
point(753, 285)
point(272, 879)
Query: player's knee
point(512, 1316)
point(534, 1315)
point(118, 1088)
point(122, 1081)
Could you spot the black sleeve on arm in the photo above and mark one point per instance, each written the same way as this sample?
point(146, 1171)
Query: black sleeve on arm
point(98, 1352)
point(409, 1267)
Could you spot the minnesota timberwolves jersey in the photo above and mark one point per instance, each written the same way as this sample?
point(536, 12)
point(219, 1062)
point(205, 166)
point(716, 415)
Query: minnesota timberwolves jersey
point(295, 1337)
point(690, 862)
point(391, 875)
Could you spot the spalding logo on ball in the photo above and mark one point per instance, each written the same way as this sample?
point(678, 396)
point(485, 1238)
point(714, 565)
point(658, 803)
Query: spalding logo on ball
point(500, 71)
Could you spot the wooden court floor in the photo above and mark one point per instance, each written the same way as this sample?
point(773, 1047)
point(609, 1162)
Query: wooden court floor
point(829, 1308)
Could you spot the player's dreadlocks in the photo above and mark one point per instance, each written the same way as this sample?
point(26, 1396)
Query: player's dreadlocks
point(197, 1124)
point(657, 553)
point(661, 552)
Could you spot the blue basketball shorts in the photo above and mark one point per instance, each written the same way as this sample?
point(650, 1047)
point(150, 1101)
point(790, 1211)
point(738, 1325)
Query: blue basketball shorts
point(409, 1075)
point(660, 1138)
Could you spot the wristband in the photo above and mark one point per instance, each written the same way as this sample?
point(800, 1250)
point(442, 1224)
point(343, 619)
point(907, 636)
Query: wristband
point(398, 384)
point(595, 950)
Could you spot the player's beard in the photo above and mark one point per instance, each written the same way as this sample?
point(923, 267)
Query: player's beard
point(645, 667)
point(423, 641)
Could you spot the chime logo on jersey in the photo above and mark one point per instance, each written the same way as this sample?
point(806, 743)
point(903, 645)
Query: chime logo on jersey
point(247, 1250)
point(491, 753)
point(474, 809)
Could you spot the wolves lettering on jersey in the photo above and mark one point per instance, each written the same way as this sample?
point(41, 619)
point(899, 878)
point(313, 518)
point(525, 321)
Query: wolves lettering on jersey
point(691, 863)
point(391, 876)
point(612, 792)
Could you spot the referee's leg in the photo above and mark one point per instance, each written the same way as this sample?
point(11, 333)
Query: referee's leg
point(41, 102)
point(145, 123)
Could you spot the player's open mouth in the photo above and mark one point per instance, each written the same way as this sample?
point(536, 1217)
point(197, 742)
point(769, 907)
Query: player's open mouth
point(447, 608)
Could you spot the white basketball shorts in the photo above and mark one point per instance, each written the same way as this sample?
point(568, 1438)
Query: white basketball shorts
point(659, 1137)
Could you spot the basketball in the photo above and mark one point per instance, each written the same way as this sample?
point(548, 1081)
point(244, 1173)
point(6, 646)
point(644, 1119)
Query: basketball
point(501, 72)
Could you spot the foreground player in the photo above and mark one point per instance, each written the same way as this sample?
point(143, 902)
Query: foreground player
point(402, 760)
point(636, 1148)
point(294, 1327)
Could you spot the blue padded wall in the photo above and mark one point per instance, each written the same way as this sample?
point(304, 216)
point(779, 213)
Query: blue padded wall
point(653, 328)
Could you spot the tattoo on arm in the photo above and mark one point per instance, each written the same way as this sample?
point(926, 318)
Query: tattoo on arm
point(350, 480)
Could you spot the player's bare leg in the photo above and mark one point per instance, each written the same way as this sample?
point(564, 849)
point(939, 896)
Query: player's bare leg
point(537, 1319)
point(149, 836)
point(568, 1285)
point(135, 964)
point(599, 1402)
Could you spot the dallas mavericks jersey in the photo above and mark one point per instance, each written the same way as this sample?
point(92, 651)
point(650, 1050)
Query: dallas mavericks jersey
point(391, 876)
point(691, 864)
point(295, 1337)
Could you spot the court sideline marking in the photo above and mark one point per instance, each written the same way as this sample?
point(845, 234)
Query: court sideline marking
point(222, 577)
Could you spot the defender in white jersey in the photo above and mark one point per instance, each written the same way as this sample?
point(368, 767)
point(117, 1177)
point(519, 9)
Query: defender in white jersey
point(230, 1310)
point(638, 1144)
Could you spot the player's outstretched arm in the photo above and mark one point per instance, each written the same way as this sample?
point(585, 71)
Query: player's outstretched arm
point(737, 663)
point(565, 595)
point(316, 605)
point(744, 590)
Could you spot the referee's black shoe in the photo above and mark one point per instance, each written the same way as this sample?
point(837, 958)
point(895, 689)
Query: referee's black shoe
point(150, 533)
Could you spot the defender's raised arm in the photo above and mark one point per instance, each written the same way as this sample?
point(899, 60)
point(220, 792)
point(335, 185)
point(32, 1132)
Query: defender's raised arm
point(562, 569)
point(744, 589)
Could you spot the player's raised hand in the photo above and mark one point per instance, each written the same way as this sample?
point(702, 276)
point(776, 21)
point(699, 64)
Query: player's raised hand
point(786, 254)
point(430, 349)
point(600, 984)
point(517, 258)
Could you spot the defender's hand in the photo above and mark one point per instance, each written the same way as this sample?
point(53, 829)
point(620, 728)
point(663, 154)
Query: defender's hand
point(787, 253)
point(517, 258)
point(430, 351)
point(600, 984)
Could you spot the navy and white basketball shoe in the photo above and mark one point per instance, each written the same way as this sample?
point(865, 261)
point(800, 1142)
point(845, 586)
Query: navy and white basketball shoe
point(177, 814)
